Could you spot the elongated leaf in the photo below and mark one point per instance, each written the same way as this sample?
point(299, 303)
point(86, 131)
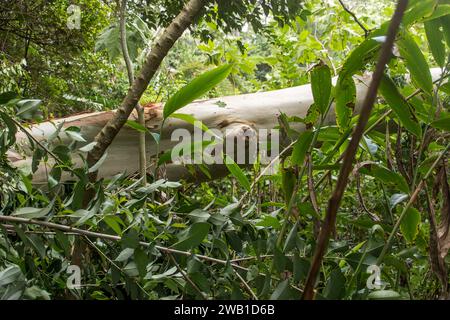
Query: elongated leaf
point(10, 275)
point(196, 88)
point(28, 105)
point(398, 103)
point(75, 136)
point(420, 10)
point(88, 147)
point(193, 236)
point(388, 177)
point(282, 291)
point(138, 127)
point(32, 213)
point(321, 86)
point(416, 63)
point(360, 56)
point(410, 224)
point(445, 22)
point(435, 38)
point(440, 11)
point(335, 288)
point(301, 147)
point(345, 101)
point(98, 164)
point(236, 171)
point(190, 119)
point(442, 124)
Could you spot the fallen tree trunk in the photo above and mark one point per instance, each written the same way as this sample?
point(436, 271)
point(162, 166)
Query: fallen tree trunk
point(236, 113)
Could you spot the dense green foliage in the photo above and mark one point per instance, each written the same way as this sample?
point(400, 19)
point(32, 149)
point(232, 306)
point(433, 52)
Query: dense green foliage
point(245, 235)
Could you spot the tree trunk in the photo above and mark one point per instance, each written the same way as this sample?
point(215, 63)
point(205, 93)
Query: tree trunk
point(237, 113)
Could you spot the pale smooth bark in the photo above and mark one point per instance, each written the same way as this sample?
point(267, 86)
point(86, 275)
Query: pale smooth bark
point(239, 113)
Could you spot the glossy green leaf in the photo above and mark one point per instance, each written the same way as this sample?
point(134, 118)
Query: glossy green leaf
point(420, 10)
point(442, 124)
point(32, 213)
point(196, 88)
point(445, 23)
point(410, 224)
point(387, 176)
point(301, 148)
point(435, 38)
point(359, 57)
point(193, 237)
point(138, 127)
point(345, 101)
point(191, 120)
point(415, 62)
point(321, 86)
point(440, 11)
point(398, 103)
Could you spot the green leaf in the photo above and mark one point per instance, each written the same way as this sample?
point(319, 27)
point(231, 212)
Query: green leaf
point(359, 57)
point(32, 213)
point(112, 222)
point(291, 239)
point(442, 124)
point(88, 147)
point(440, 11)
point(282, 291)
point(288, 179)
point(236, 171)
point(398, 103)
point(321, 86)
point(301, 267)
point(335, 287)
point(421, 10)
point(445, 22)
point(10, 275)
point(130, 239)
point(29, 105)
point(199, 215)
point(98, 164)
point(387, 176)
point(410, 224)
point(191, 120)
point(196, 88)
point(193, 236)
point(416, 63)
point(269, 222)
point(345, 101)
point(137, 126)
point(141, 260)
point(301, 148)
point(6, 97)
point(125, 254)
point(435, 38)
point(75, 136)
